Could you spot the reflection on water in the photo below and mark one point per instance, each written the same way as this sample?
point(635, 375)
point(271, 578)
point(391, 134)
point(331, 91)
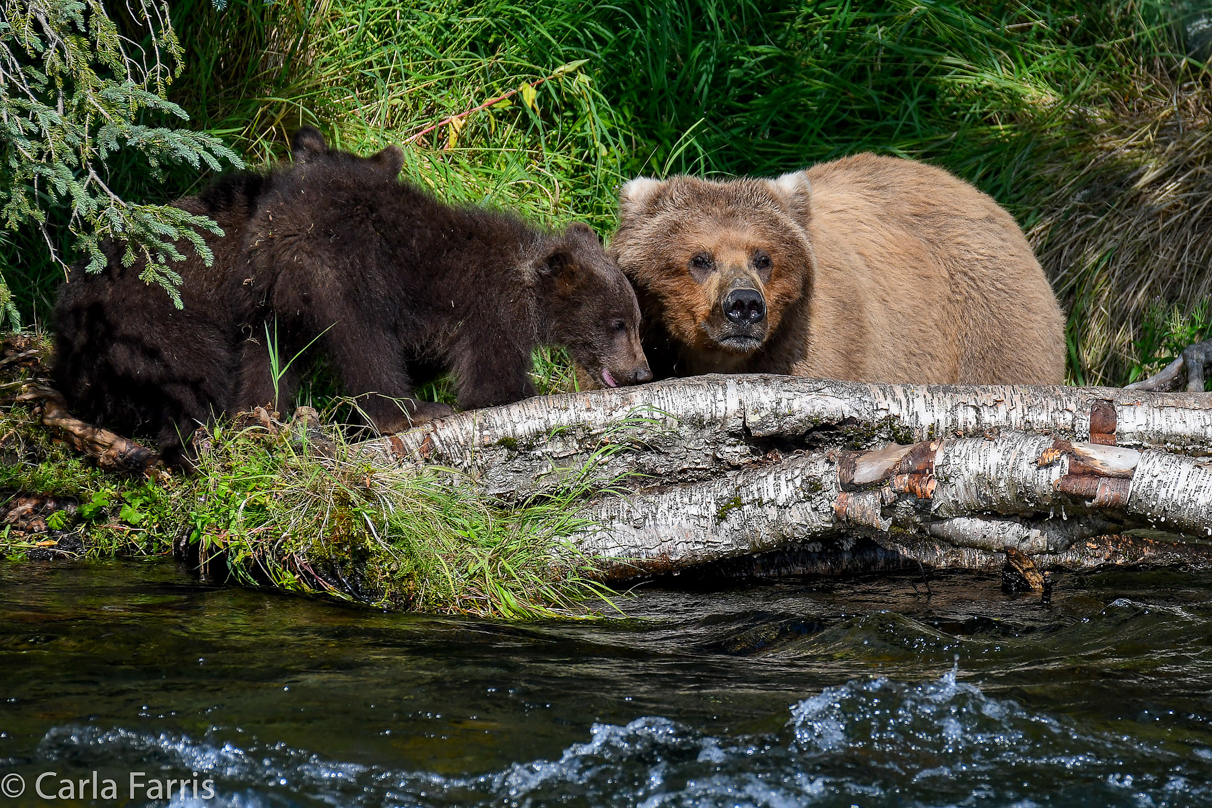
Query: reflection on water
point(833, 693)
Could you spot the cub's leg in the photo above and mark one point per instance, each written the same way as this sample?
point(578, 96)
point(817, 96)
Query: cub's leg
point(370, 363)
point(490, 372)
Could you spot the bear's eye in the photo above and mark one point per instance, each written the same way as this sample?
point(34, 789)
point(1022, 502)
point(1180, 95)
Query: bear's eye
point(761, 260)
point(619, 325)
point(701, 261)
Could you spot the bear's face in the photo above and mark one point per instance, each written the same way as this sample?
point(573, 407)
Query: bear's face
point(591, 309)
point(718, 263)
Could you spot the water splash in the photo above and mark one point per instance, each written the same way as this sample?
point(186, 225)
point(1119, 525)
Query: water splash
point(867, 742)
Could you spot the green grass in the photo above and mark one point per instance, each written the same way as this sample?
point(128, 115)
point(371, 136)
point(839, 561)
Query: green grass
point(267, 511)
point(1166, 332)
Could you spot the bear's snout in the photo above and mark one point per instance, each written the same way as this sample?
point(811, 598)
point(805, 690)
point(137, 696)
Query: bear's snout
point(637, 375)
point(745, 306)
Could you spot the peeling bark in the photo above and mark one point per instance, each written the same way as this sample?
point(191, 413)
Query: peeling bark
point(693, 429)
point(720, 467)
point(1030, 493)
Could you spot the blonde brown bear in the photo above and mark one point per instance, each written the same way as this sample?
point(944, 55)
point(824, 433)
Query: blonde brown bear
point(867, 268)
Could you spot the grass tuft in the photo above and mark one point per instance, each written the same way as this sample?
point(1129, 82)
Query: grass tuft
point(266, 510)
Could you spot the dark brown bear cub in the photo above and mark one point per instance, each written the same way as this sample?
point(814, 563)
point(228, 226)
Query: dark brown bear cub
point(127, 358)
point(380, 274)
point(334, 251)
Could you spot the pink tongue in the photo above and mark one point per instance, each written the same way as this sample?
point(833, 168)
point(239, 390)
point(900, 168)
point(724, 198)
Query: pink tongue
point(606, 377)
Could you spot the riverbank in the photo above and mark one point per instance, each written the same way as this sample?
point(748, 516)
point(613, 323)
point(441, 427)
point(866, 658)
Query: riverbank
point(291, 506)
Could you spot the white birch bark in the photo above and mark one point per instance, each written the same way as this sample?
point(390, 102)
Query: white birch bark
point(694, 428)
point(986, 495)
point(717, 467)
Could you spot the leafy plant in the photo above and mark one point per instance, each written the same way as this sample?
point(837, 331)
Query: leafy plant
point(1165, 333)
point(74, 92)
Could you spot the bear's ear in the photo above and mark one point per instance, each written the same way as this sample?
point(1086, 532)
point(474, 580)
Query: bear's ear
point(560, 270)
point(583, 230)
point(391, 159)
point(637, 195)
point(307, 144)
point(795, 190)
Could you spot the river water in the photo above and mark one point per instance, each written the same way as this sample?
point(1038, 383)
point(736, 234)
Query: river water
point(840, 692)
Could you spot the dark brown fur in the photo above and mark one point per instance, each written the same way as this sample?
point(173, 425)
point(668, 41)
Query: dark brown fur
point(382, 274)
point(126, 357)
point(334, 250)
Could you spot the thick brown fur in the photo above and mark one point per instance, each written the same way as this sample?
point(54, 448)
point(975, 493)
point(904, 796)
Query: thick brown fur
point(127, 358)
point(867, 268)
point(335, 251)
point(381, 274)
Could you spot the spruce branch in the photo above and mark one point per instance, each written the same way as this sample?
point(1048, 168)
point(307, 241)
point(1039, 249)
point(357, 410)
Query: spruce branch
point(74, 93)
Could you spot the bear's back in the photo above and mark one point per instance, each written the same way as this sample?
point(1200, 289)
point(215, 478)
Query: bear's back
point(906, 252)
point(336, 231)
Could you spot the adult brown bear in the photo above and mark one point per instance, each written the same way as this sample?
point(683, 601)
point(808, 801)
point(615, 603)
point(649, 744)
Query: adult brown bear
point(867, 268)
point(335, 251)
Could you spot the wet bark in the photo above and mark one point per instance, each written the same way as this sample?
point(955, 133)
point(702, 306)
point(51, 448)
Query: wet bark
point(111, 451)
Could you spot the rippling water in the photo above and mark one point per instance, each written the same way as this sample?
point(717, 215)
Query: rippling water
point(859, 692)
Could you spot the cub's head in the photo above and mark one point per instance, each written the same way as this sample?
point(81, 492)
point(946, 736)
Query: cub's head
point(587, 305)
point(716, 264)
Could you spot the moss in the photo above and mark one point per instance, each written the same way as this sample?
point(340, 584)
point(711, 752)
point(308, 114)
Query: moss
point(729, 506)
point(866, 435)
point(508, 443)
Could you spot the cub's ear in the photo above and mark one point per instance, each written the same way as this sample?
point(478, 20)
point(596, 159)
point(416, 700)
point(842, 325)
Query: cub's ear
point(391, 159)
point(307, 144)
point(560, 269)
point(795, 190)
point(582, 230)
point(638, 195)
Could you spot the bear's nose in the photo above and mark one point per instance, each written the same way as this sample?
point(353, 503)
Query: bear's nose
point(745, 306)
point(641, 374)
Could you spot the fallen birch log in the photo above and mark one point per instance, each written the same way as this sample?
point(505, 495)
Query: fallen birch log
point(696, 470)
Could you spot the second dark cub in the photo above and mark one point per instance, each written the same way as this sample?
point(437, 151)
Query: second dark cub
point(380, 274)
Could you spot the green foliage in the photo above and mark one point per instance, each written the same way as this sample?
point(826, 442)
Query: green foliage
point(426, 540)
point(73, 93)
point(1165, 333)
point(119, 515)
